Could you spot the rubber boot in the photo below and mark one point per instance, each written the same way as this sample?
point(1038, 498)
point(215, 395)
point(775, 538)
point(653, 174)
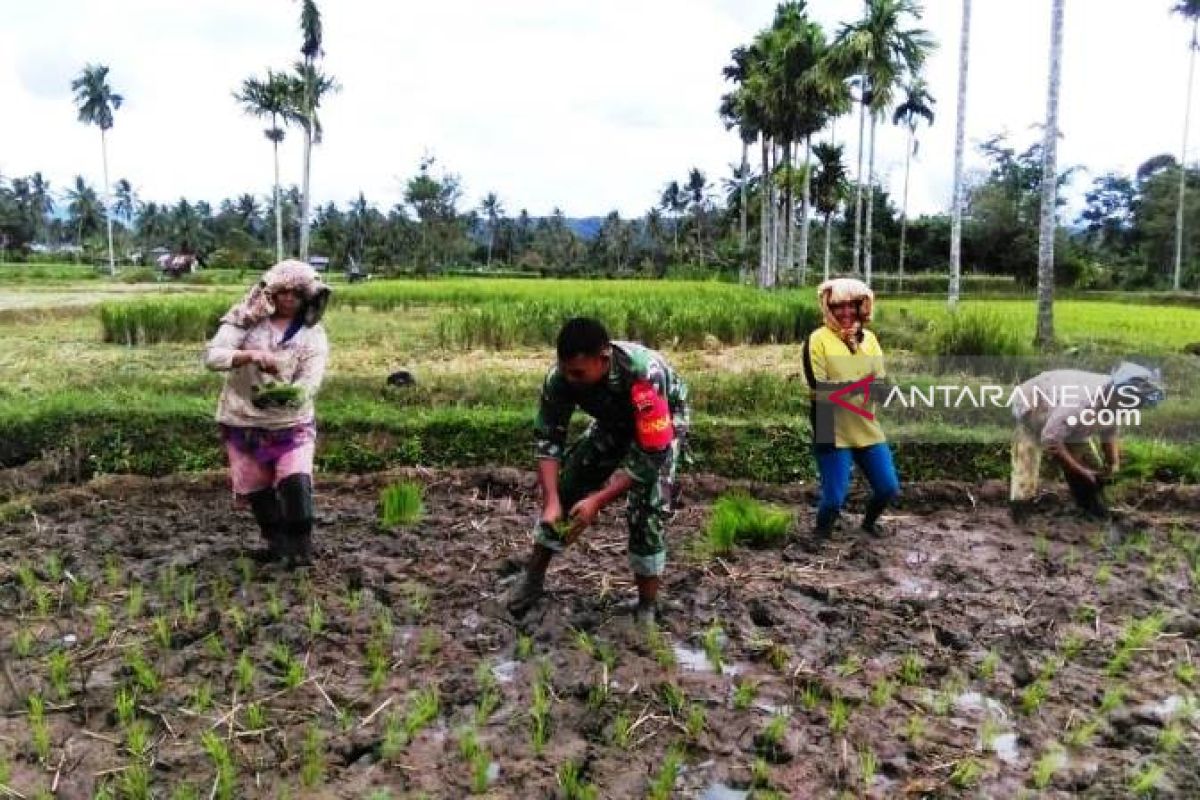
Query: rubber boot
point(296, 503)
point(870, 520)
point(265, 505)
point(647, 606)
point(825, 522)
point(1088, 496)
point(532, 585)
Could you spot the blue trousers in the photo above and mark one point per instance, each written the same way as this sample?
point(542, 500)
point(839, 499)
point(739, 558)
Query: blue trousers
point(834, 463)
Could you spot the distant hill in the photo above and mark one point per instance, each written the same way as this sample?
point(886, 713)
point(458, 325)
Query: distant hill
point(585, 227)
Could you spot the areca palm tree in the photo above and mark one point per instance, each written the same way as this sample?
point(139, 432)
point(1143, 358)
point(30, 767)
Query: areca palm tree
point(270, 98)
point(309, 87)
point(493, 210)
point(1190, 10)
point(830, 188)
point(885, 51)
point(83, 209)
point(1045, 301)
point(917, 106)
point(124, 201)
point(742, 109)
point(96, 102)
point(673, 201)
point(964, 50)
point(42, 200)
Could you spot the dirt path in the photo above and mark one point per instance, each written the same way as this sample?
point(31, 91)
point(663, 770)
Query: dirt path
point(960, 656)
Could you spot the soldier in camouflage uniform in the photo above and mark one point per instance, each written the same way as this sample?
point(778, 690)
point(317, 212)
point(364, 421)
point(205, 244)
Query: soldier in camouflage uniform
point(639, 411)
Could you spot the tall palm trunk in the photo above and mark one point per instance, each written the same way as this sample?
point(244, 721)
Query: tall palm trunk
point(858, 183)
point(765, 216)
point(278, 209)
point(1045, 301)
point(304, 198)
point(805, 204)
point(912, 136)
point(1187, 118)
point(959, 138)
point(112, 264)
point(491, 241)
point(789, 215)
point(828, 249)
point(773, 261)
point(742, 191)
point(870, 205)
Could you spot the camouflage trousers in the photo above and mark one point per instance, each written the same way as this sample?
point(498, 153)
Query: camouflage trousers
point(586, 467)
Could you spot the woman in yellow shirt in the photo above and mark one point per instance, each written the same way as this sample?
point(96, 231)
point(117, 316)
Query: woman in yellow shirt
point(842, 359)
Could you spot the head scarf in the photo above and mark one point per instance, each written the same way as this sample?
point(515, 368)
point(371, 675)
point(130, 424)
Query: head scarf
point(291, 275)
point(846, 290)
point(1145, 382)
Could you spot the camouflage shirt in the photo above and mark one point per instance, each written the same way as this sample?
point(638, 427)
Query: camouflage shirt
point(609, 403)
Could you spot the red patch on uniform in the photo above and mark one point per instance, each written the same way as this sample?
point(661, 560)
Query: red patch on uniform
point(652, 417)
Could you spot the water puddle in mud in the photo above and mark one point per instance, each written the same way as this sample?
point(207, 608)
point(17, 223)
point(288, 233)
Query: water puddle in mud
point(719, 791)
point(695, 660)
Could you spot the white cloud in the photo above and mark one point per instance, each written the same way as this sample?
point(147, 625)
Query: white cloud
point(585, 105)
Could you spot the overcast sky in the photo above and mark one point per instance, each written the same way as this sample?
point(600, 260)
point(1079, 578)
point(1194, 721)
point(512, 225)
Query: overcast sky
point(588, 105)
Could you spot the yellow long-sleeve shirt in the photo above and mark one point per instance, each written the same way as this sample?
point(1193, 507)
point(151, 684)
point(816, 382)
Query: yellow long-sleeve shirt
point(829, 363)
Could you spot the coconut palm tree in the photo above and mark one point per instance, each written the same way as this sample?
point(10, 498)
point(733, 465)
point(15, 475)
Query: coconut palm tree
point(1045, 301)
point(124, 202)
point(830, 189)
point(83, 209)
point(96, 102)
point(270, 98)
point(673, 201)
point(1190, 10)
point(956, 211)
point(886, 52)
point(917, 106)
point(493, 210)
point(42, 200)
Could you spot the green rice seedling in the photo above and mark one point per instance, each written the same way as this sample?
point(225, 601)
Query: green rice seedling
point(429, 645)
point(481, 771)
point(394, 738)
point(598, 693)
point(222, 760)
point(839, 715)
point(137, 739)
point(1032, 696)
point(620, 730)
point(23, 642)
point(539, 714)
point(187, 597)
point(778, 656)
point(584, 644)
point(912, 669)
point(673, 698)
point(424, 707)
point(1171, 737)
point(312, 759)
point(1081, 736)
point(134, 782)
point(135, 602)
point(102, 623)
point(697, 721)
point(1114, 698)
point(810, 696)
point(243, 673)
point(660, 648)
point(240, 622)
point(574, 785)
point(157, 320)
point(202, 697)
point(401, 505)
point(53, 567)
point(278, 394)
point(1103, 575)
point(524, 647)
point(1086, 614)
point(245, 570)
point(112, 571)
point(185, 791)
point(1041, 546)
point(1185, 673)
point(882, 692)
point(162, 631)
point(773, 732)
point(384, 627)
point(417, 596)
point(59, 665)
point(1071, 646)
point(914, 729)
point(80, 589)
point(353, 600)
point(714, 646)
point(868, 766)
point(850, 665)
point(744, 694)
point(1047, 765)
point(214, 646)
point(663, 783)
point(166, 581)
point(316, 619)
point(966, 774)
point(989, 729)
point(607, 654)
point(760, 775)
point(941, 702)
point(28, 579)
point(43, 601)
point(1145, 782)
point(737, 518)
point(143, 671)
point(378, 664)
point(1050, 668)
point(39, 731)
point(274, 604)
point(125, 704)
point(380, 794)
point(468, 743)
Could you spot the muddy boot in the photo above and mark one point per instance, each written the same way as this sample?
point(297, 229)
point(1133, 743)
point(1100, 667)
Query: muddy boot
point(1088, 496)
point(526, 594)
point(1019, 511)
point(646, 611)
point(870, 520)
point(825, 525)
point(296, 502)
point(265, 505)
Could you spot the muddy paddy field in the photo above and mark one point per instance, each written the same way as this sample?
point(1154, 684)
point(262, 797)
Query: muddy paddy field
point(145, 655)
